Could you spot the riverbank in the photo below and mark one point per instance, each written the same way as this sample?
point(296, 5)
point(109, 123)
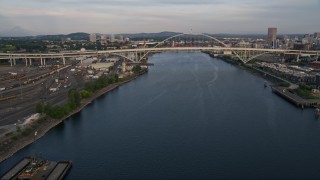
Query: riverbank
point(279, 86)
point(10, 146)
point(248, 67)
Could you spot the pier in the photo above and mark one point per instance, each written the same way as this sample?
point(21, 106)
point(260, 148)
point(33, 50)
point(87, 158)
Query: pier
point(293, 98)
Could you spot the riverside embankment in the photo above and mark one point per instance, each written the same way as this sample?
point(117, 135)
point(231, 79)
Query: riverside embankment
point(272, 78)
point(10, 145)
point(277, 84)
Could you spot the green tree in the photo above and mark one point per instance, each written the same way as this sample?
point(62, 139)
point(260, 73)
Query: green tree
point(136, 69)
point(18, 129)
point(110, 80)
point(85, 94)
point(7, 48)
point(103, 81)
point(116, 78)
point(89, 86)
point(47, 108)
point(74, 99)
point(39, 108)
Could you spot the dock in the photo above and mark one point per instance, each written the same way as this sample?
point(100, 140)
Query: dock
point(293, 98)
point(34, 169)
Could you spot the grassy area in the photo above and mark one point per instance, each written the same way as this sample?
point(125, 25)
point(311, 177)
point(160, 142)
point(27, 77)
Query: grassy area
point(284, 84)
point(305, 92)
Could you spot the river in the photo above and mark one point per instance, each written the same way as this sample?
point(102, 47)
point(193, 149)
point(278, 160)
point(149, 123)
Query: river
point(191, 116)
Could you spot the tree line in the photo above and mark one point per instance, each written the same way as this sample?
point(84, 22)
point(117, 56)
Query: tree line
point(75, 96)
point(59, 111)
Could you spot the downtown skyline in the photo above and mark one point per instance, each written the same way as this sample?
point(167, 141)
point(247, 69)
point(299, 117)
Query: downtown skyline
point(134, 16)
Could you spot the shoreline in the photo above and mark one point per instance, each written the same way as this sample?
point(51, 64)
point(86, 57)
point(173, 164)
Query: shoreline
point(276, 82)
point(265, 75)
point(42, 129)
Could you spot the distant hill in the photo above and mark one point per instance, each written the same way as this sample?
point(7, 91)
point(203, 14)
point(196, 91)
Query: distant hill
point(150, 35)
point(16, 31)
point(21, 33)
point(78, 36)
point(73, 36)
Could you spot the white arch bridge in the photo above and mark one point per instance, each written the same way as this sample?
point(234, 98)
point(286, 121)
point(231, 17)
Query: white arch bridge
point(243, 54)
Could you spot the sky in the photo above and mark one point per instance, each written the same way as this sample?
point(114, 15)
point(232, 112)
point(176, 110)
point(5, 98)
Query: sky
point(134, 16)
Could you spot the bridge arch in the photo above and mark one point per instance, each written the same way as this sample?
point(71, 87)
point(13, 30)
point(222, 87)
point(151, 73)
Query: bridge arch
point(239, 55)
point(183, 34)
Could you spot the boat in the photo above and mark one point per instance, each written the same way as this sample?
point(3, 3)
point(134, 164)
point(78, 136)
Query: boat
point(35, 168)
point(317, 112)
point(265, 84)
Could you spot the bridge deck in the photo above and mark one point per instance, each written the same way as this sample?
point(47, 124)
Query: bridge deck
point(86, 53)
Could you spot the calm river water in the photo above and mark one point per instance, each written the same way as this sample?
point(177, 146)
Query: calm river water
point(190, 117)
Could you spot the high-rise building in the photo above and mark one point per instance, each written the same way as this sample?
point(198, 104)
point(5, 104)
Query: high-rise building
point(93, 37)
point(103, 39)
point(121, 38)
point(272, 36)
point(317, 35)
point(112, 38)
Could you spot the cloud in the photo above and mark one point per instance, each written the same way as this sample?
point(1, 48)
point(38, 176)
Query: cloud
point(133, 2)
point(212, 16)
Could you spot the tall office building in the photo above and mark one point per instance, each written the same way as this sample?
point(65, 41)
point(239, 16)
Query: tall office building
point(112, 38)
point(103, 39)
point(93, 37)
point(121, 38)
point(272, 36)
point(317, 35)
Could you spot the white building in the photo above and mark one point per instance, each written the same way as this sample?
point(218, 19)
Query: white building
point(93, 37)
point(102, 66)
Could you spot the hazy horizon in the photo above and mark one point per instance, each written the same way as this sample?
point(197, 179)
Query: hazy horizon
point(149, 16)
point(155, 32)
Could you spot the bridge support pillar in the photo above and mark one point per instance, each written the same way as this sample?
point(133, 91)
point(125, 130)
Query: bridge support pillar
point(14, 62)
point(64, 60)
point(11, 61)
point(136, 59)
point(30, 60)
point(44, 61)
point(41, 61)
point(298, 58)
point(26, 62)
point(82, 59)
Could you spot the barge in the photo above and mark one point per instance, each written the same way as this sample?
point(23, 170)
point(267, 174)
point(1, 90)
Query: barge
point(34, 169)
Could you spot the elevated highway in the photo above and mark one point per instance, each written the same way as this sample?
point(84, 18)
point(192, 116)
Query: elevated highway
point(239, 51)
point(244, 54)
